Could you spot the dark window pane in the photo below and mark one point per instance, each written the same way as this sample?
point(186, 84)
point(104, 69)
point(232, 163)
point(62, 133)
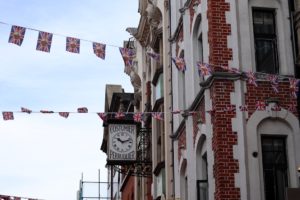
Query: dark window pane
point(265, 51)
point(265, 41)
point(263, 22)
point(274, 167)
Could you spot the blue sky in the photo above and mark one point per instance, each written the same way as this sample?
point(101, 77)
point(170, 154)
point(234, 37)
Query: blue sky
point(43, 156)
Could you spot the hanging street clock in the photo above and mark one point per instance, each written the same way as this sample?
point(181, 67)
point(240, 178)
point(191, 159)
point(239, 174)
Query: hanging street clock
point(121, 143)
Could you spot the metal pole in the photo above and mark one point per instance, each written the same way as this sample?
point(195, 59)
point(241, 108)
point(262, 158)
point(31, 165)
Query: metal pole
point(99, 183)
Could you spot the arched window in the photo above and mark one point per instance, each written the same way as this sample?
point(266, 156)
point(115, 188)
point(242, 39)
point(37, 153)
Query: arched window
point(202, 175)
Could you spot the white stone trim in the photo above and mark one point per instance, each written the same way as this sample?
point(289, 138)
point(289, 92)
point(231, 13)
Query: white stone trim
point(255, 174)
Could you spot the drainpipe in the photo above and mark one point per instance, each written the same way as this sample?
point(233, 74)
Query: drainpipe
point(171, 77)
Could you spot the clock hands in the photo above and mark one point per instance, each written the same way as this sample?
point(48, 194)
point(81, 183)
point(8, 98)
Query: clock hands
point(123, 141)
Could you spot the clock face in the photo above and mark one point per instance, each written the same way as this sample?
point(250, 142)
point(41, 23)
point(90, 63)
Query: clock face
point(122, 142)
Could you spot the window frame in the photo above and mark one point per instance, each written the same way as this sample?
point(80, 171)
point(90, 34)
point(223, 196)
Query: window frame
point(273, 37)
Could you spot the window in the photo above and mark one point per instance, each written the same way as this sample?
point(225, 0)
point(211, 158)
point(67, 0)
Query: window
point(274, 167)
point(265, 40)
point(159, 88)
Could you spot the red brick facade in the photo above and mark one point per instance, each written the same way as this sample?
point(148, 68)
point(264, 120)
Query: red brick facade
point(223, 140)
point(225, 166)
point(181, 142)
point(200, 117)
point(264, 91)
point(128, 190)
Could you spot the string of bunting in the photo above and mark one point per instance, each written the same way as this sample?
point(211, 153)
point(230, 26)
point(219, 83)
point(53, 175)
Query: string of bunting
point(44, 43)
point(205, 69)
point(6, 197)
point(140, 116)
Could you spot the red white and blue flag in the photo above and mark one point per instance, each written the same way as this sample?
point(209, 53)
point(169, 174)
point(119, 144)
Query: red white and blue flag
point(243, 108)
point(293, 87)
point(229, 108)
point(128, 56)
point(292, 108)
point(8, 115)
point(260, 105)
point(64, 114)
point(204, 69)
point(82, 110)
point(276, 108)
point(158, 116)
point(137, 117)
point(179, 63)
point(99, 50)
point(154, 56)
point(44, 41)
point(274, 82)
point(119, 115)
point(26, 110)
point(17, 34)
point(251, 78)
point(102, 116)
point(234, 70)
point(73, 45)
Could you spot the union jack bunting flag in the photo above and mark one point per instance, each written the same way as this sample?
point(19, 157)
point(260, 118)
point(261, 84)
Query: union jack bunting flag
point(226, 68)
point(243, 108)
point(44, 41)
point(64, 114)
point(293, 87)
point(128, 56)
point(292, 108)
point(46, 111)
point(204, 69)
point(17, 34)
point(274, 82)
point(82, 110)
point(234, 70)
point(137, 117)
point(119, 115)
point(276, 108)
point(174, 112)
point(179, 63)
point(260, 105)
point(229, 108)
point(158, 116)
point(99, 50)
point(73, 45)
point(8, 115)
point(102, 116)
point(154, 56)
point(25, 110)
point(251, 78)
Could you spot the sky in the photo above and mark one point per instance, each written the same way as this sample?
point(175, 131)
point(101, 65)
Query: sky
point(44, 155)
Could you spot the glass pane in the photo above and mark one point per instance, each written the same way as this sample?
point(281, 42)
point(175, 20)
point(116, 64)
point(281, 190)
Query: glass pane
point(268, 158)
point(267, 145)
point(279, 145)
point(264, 22)
point(265, 55)
point(275, 167)
point(269, 184)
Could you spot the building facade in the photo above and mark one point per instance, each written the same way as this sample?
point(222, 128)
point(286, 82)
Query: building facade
point(228, 146)
point(230, 127)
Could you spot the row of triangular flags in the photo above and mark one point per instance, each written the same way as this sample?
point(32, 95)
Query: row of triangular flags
point(206, 69)
point(140, 116)
point(44, 43)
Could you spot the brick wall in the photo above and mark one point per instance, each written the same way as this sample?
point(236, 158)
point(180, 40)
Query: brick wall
point(128, 190)
point(264, 92)
point(200, 116)
point(181, 142)
point(225, 166)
